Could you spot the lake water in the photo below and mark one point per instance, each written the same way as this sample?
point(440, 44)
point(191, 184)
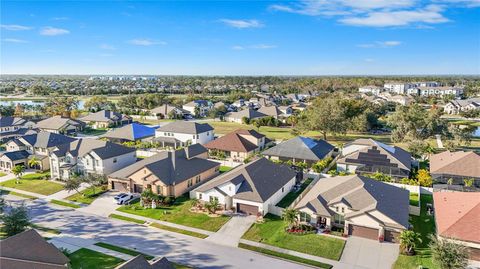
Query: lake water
point(31, 102)
point(476, 133)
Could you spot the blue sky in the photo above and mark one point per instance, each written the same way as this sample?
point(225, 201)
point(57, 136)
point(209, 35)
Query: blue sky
point(334, 37)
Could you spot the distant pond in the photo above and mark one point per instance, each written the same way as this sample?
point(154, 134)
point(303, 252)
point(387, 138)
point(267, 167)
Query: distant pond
point(32, 102)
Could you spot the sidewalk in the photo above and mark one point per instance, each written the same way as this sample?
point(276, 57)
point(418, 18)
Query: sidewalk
point(64, 193)
point(9, 176)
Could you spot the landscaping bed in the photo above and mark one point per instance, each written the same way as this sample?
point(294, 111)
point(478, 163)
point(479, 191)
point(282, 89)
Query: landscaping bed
point(178, 213)
point(291, 196)
point(272, 232)
point(177, 230)
point(40, 186)
point(88, 195)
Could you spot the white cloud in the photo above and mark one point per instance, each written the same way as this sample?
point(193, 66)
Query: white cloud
point(145, 42)
point(238, 47)
point(107, 47)
point(14, 27)
point(257, 46)
point(241, 24)
point(14, 40)
point(380, 44)
point(52, 31)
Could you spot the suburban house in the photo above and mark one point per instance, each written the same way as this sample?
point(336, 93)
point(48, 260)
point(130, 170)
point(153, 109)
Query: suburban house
point(238, 144)
point(13, 127)
point(248, 113)
point(457, 106)
point(167, 111)
point(106, 119)
point(28, 250)
point(203, 107)
point(272, 111)
point(38, 146)
point(360, 206)
point(365, 156)
point(129, 133)
point(300, 149)
point(140, 262)
point(251, 188)
point(168, 173)
point(457, 166)
point(457, 217)
point(60, 125)
point(181, 133)
point(89, 156)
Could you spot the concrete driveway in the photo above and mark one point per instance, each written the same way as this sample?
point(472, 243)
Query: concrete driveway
point(233, 230)
point(362, 253)
point(102, 206)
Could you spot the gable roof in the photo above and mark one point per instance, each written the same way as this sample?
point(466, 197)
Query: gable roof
point(460, 163)
point(6, 121)
point(103, 149)
point(391, 155)
point(186, 127)
point(16, 155)
point(165, 109)
point(105, 116)
point(301, 148)
point(259, 180)
point(359, 193)
point(58, 122)
point(45, 139)
point(457, 215)
point(131, 132)
point(270, 111)
point(170, 167)
point(29, 250)
point(235, 141)
point(140, 262)
point(249, 113)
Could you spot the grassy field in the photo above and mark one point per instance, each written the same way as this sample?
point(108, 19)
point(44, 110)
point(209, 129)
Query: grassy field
point(414, 199)
point(2, 174)
point(178, 213)
point(272, 232)
point(177, 230)
point(86, 258)
point(291, 196)
point(39, 186)
point(120, 217)
point(87, 196)
point(285, 256)
point(123, 250)
point(62, 203)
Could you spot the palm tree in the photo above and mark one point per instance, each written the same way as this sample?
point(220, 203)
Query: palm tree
point(408, 241)
point(212, 206)
point(33, 162)
point(18, 171)
point(468, 182)
point(290, 217)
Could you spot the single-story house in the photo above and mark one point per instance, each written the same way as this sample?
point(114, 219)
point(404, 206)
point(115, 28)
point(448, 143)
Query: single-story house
point(106, 119)
point(168, 173)
point(457, 166)
point(272, 111)
point(248, 113)
point(250, 188)
point(140, 262)
point(238, 144)
point(457, 217)
point(130, 132)
point(300, 149)
point(8, 160)
point(359, 205)
point(182, 133)
point(167, 111)
point(61, 125)
point(28, 250)
point(370, 156)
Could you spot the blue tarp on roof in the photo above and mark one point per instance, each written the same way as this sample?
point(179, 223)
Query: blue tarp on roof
point(140, 131)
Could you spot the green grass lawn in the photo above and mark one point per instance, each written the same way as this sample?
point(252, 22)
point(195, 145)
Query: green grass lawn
point(38, 175)
point(89, 259)
point(291, 196)
point(62, 203)
point(120, 217)
point(178, 213)
point(272, 232)
point(127, 251)
point(87, 196)
point(177, 230)
point(414, 199)
point(2, 174)
point(39, 186)
point(224, 169)
point(5, 192)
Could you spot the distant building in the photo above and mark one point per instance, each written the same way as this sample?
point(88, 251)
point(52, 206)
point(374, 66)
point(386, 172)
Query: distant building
point(398, 88)
point(375, 90)
point(441, 91)
point(202, 105)
point(457, 106)
point(182, 133)
point(248, 113)
point(166, 111)
point(106, 119)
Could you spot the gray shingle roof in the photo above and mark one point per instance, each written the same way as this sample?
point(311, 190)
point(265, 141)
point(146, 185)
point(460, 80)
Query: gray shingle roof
point(131, 132)
point(104, 116)
point(103, 149)
point(249, 113)
point(58, 122)
point(46, 139)
point(165, 109)
point(11, 121)
point(302, 148)
point(16, 155)
point(186, 127)
point(259, 180)
point(361, 194)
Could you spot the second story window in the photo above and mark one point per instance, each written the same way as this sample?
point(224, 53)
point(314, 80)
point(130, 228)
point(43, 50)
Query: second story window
point(189, 183)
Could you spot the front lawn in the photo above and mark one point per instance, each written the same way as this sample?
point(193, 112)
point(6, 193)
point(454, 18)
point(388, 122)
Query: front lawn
point(86, 258)
point(38, 175)
point(88, 195)
point(177, 230)
point(120, 217)
point(39, 186)
point(178, 213)
point(414, 199)
point(224, 169)
point(2, 174)
point(272, 232)
point(62, 203)
point(291, 196)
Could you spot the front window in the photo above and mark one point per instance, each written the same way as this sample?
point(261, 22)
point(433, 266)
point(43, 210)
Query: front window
point(189, 183)
point(304, 217)
point(338, 219)
point(213, 198)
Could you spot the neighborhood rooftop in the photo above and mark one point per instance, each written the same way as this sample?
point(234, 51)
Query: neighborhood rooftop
point(186, 127)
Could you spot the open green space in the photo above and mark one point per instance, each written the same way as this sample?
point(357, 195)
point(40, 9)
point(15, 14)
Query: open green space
point(178, 213)
point(120, 217)
point(284, 256)
point(127, 251)
point(40, 186)
point(38, 175)
point(291, 196)
point(177, 230)
point(86, 258)
point(62, 203)
point(88, 195)
point(272, 232)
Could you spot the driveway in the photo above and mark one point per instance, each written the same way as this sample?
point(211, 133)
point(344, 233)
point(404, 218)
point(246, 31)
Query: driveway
point(103, 206)
point(362, 253)
point(232, 231)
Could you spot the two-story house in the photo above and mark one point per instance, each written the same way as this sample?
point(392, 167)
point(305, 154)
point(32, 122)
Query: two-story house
point(14, 127)
point(202, 106)
point(181, 133)
point(167, 111)
point(89, 156)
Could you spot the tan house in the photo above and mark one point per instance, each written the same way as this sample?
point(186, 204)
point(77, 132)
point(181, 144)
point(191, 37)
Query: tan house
point(106, 119)
point(60, 125)
point(167, 173)
point(360, 206)
point(458, 166)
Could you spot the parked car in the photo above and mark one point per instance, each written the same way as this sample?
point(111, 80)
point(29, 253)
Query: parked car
point(123, 198)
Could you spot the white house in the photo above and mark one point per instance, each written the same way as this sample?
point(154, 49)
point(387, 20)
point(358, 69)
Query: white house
point(202, 105)
point(251, 188)
point(457, 106)
point(375, 90)
point(181, 133)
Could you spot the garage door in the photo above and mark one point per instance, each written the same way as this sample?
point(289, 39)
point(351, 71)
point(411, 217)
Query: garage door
point(247, 209)
point(364, 232)
point(391, 236)
point(119, 186)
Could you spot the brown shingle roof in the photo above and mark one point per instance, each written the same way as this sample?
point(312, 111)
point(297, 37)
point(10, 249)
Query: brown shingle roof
point(461, 163)
point(457, 215)
point(234, 141)
point(139, 262)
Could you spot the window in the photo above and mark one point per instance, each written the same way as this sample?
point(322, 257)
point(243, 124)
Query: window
point(304, 217)
point(336, 208)
point(200, 196)
point(213, 198)
point(189, 183)
point(197, 179)
point(343, 209)
point(114, 160)
point(338, 219)
point(283, 189)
